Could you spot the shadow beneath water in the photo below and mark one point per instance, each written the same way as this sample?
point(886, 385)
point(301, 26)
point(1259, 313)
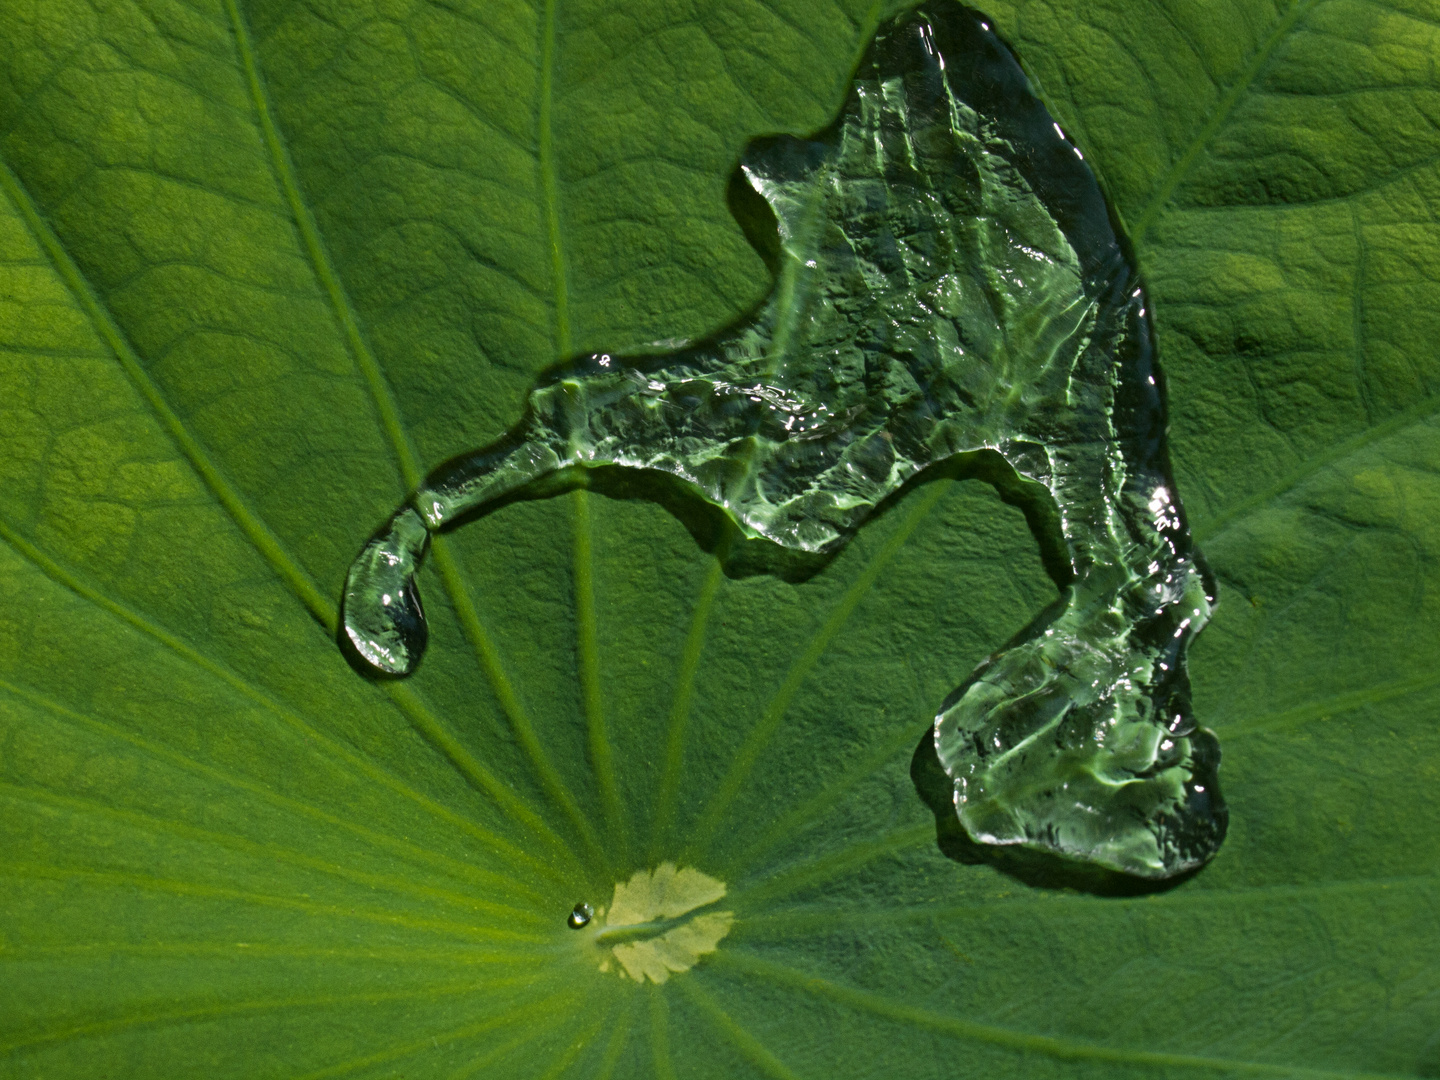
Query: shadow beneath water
point(1036, 869)
point(714, 530)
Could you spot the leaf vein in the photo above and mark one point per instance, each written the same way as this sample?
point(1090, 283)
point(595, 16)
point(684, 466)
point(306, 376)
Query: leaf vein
point(182, 830)
point(1059, 1048)
point(1226, 105)
point(255, 531)
point(399, 439)
point(193, 890)
point(332, 746)
point(762, 732)
point(751, 1048)
point(241, 1008)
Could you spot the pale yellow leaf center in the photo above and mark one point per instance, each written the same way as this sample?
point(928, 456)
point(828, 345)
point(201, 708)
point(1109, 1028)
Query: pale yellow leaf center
point(644, 933)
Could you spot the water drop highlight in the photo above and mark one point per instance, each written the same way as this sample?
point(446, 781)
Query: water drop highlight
point(950, 283)
point(580, 916)
point(383, 617)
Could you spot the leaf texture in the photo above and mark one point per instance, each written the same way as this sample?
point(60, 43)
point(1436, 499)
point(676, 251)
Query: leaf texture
point(263, 263)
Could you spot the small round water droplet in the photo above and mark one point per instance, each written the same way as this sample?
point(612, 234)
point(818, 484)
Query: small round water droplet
point(580, 916)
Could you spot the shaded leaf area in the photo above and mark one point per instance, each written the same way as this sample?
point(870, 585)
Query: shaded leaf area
point(263, 263)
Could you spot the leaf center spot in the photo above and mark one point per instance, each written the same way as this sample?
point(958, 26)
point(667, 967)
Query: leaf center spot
point(653, 927)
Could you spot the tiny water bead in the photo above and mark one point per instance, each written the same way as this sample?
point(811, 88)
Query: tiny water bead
point(580, 916)
point(950, 283)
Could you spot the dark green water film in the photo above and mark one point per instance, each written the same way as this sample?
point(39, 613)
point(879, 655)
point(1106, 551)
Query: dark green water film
point(950, 283)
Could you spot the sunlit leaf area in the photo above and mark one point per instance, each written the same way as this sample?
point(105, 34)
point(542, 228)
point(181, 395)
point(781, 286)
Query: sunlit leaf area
point(644, 811)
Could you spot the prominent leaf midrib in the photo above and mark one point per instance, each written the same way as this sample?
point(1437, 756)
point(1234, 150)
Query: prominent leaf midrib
point(333, 747)
point(261, 850)
point(785, 924)
point(256, 532)
point(169, 886)
point(816, 871)
point(750, 1047)
point(319, 257)
point(453, 955)
point(601, 753)
point(663, 821)
point(812, 807)
point(533, 1014)
point(1334, 705)
point(238, 1008)
point(404, 848)
point(597, 737)
point(660, 1034)
point(108, 330)
point(679, 718)
point(1421, 410)
point(392, 426)
point(378, 386)
point(489, 660)
point(764, 729)
point(1222, 111)
point(619, 1035)
point(445, 741)
point(549, 176)
point(602, 756)
point(251, 526)
point(886, 747)
point(1059, 1048)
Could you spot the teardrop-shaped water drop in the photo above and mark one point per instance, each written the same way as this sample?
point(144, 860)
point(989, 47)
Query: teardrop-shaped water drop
point(951, 286)
point(580, 916)
point(383, 616)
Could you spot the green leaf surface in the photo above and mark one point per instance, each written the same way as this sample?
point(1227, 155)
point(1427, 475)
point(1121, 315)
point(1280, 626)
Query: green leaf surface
point(263, 263)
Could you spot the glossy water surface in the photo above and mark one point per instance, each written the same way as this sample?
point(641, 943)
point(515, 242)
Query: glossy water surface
point(950, 283)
